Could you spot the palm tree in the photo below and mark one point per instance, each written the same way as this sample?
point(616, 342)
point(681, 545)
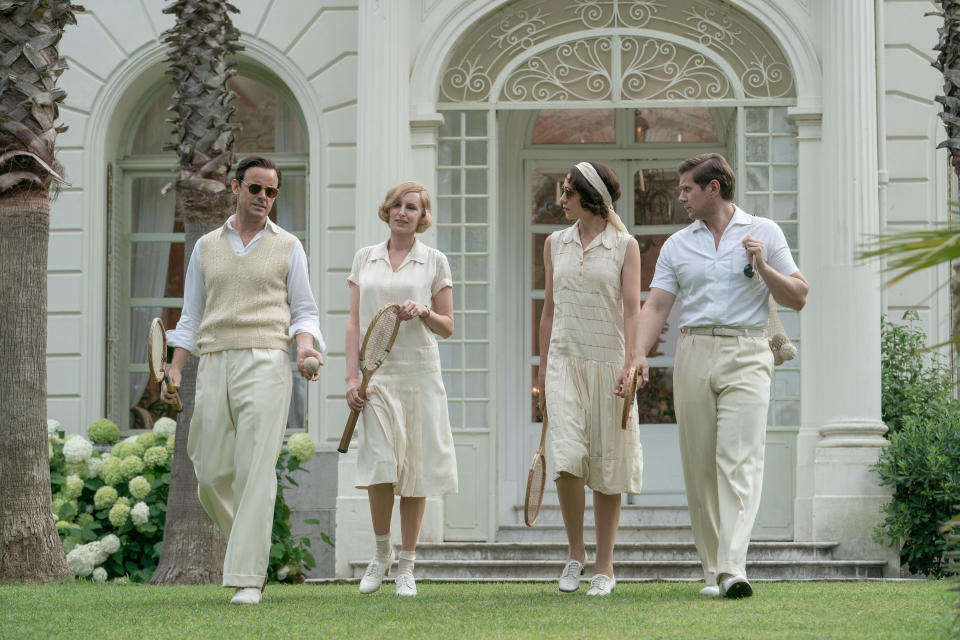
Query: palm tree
point(200, 43)
point(30, 64)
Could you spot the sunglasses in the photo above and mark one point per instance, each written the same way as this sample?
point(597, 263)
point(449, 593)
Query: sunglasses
point(254, 189)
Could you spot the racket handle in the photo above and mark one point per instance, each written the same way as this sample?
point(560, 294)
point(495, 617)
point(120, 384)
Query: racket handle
point(177, 404)
point(348, 432)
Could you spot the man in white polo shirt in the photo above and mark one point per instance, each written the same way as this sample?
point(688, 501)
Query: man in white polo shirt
point(721, 268)
point(246, 297)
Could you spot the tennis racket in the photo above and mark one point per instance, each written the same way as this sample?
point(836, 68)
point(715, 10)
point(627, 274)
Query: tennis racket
point(376, 346)
point(629, 396)
point(536, 478)
point(157, 358)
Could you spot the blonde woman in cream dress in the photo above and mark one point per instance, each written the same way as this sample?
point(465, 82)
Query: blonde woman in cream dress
point(405, 444)
point(587, 344)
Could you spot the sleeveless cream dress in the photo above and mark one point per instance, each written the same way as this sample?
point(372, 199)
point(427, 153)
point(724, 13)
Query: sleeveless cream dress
point(587, 350)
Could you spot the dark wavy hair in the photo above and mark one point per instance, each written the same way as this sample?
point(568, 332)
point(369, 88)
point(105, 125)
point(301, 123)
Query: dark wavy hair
point(590, 198)
point(708, 167)
point(257, 161)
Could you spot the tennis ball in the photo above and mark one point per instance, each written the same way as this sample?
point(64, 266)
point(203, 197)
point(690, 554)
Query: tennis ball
point(311, 365)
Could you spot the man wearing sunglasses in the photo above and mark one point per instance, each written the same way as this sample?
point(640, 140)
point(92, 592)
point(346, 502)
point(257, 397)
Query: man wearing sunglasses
point(246, 297)
point(721, 268)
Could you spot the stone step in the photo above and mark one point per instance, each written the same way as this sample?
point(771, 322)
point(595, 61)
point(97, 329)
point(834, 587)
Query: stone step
point(636, 570)
point(625, 551)
point(630, 515)
point(555, 533)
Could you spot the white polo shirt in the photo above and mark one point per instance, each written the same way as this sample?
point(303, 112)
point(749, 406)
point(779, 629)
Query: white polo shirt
point(708, 281)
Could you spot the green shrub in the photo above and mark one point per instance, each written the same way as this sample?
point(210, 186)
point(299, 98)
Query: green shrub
point(922, 463)
point(117, 498)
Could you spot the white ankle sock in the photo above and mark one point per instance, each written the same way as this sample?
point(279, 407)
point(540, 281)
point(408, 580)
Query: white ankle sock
point(383, 548)
point(406, 562)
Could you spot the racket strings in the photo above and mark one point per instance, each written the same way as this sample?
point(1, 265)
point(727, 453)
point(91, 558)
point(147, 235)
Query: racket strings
point(157, 354)
point(535, 486)
point(380, 339)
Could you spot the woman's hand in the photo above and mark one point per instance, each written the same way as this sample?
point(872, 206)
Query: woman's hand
point(620, 387)
point(410, 310)
point(354, 401)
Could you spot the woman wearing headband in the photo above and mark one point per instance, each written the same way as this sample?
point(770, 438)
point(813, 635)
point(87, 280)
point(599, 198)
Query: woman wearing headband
point(587, 347)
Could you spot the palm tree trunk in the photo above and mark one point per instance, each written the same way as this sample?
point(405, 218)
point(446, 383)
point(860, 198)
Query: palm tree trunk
point(193, 547)
point(30, 548)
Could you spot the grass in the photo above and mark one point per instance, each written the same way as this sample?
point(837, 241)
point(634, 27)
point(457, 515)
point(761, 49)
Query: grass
point(847, 610)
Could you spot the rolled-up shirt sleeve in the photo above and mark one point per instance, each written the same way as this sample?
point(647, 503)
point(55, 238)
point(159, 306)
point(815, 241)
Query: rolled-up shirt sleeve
point(665, 275)
point(304, 315)
point(194, 300)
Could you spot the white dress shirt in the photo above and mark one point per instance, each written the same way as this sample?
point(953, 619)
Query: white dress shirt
point(708, 280)
point(304, 315)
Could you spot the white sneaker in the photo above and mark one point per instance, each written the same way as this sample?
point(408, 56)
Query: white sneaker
point(601, 585)
point(406, 585)
point(373, 576)
point(735, 587)
point(710, 591)
point(246, 595)
point(570, 577)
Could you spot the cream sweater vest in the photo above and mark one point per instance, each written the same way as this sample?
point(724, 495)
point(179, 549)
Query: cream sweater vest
point(246, 305)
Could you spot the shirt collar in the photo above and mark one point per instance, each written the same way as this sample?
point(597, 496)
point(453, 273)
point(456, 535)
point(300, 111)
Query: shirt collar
point(740, 217)
point(608, 237)
point(418, 253)
point(228, 226)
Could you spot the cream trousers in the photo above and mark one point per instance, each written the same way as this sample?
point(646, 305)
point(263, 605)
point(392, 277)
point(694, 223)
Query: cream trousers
point(721, 394)
point(242, 400)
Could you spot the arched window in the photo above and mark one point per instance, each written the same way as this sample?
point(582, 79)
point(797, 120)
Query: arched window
point(146, 239)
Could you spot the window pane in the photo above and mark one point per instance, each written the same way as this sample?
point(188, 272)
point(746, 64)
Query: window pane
point(475, 326)
point(290, 207)
point(546, 185)
point(156, 270)
point(565, 126)
point(535, 326)
point(475, 385)
point(674, 125)
point(649, 253)
point(448, 211)
point(476, 210)
point(269, 124)
point(476, 123)
point(448, 153)
point(535, 414)
point(655, 197)
point(151, 212)
point(154, 131)
point(539, 278)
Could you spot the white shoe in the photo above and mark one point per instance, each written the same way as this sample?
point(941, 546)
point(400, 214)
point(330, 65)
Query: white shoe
point(735, 587)
point(570, 577)
point(710, 591)
point(246, 595)
point(601, 585)
point(406, 585)
point(373, 576)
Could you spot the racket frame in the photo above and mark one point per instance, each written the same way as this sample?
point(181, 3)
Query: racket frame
point(629, 397)
point(539, 458)
point(367, 370)
point(160, 376)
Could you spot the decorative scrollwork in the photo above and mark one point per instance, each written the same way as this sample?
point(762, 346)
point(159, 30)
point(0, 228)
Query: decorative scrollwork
point(468, 79)
point(766, 78)
point(659, 69)
point(641, 11)
point(578, 70)
point(713, 29)
point(522, 33)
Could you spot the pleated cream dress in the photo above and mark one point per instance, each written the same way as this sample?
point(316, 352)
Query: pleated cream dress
point(587, 351)
point(404, 429)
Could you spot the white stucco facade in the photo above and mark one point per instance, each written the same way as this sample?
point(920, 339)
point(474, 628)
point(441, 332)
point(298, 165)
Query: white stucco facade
point(367, 78)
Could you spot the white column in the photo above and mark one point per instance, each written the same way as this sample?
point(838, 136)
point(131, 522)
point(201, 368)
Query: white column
point(383, 110)
point(845, 301)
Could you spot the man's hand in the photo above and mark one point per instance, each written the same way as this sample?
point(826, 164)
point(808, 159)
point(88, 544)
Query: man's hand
point(302, 354)
point(175, 376)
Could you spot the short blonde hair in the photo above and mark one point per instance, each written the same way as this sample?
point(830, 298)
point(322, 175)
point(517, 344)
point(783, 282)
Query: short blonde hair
point(396, 193)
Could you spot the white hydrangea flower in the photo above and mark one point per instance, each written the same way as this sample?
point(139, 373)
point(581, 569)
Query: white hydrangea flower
point(164, 427)
point(81, 560)
point(300, 446)
point(140, 514)
point(130, 439)
point(110, 544)
point(77, 449)
point(52, 426)
point(283, 572)
point(99, 574)
point(93, 466)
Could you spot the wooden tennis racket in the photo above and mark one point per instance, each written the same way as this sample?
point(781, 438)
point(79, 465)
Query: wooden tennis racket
point(157, 358)
point(376, 346)
point(630, 396)
point(537, 477)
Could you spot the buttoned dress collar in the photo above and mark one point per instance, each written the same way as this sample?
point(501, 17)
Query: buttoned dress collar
point(417, 253)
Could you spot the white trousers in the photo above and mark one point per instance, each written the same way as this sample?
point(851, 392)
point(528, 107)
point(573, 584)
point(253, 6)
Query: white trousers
point(721, 395)
point(236, 434)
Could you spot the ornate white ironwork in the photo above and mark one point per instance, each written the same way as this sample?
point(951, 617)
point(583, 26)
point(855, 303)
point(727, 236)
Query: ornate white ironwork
point(728, 38)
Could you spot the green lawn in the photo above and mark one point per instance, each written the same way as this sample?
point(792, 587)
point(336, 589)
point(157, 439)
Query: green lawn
point(467, 611)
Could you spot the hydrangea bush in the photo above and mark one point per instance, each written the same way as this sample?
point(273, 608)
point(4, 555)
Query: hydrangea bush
point(110, 506)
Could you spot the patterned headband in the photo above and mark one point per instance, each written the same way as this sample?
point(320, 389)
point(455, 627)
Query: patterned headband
point(588, 172)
